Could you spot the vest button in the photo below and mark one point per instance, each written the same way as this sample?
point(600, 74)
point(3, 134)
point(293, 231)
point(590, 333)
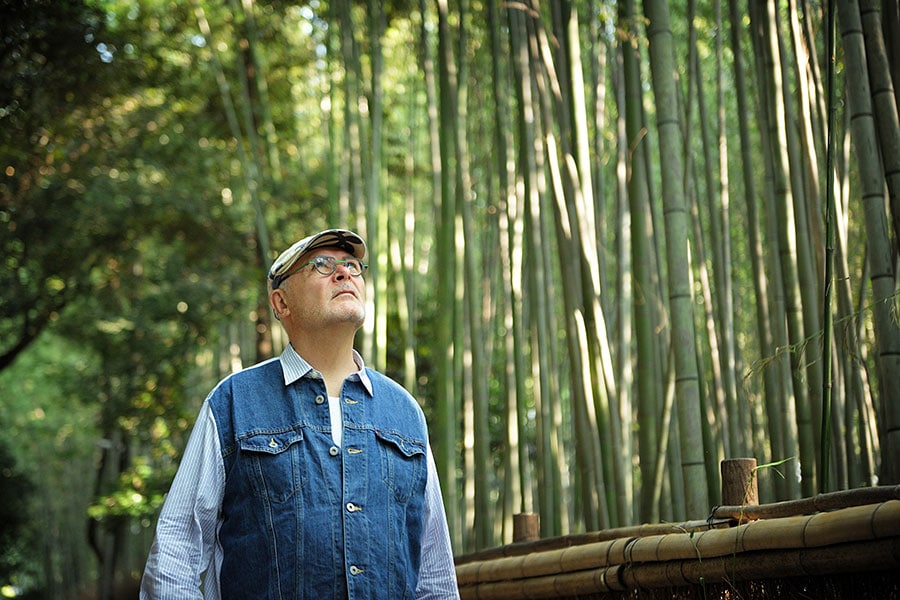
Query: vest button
point(354, 570)
point(334, 451)
point(320, 399)
point(352, 507)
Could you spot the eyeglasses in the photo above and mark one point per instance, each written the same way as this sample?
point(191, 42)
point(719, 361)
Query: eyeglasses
point(327, 265)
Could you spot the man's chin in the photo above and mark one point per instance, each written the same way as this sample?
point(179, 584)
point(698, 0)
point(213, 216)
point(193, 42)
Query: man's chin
point(357, 317)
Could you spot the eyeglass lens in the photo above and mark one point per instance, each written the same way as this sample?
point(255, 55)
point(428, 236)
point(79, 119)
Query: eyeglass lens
point(327, 265)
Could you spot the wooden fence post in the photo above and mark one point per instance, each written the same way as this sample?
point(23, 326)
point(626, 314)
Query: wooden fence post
point(739, 486)
point(526, 527)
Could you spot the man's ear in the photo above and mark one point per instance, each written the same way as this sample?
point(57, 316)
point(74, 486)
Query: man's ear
point(276, 299)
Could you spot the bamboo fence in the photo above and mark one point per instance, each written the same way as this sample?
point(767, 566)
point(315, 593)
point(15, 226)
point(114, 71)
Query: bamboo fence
point(846, 533)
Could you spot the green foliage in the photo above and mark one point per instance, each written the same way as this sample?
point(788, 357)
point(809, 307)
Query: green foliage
point(47, 424)
point(49, 71)
point(48, 64)
point(15, 493)
point(123, 245)
point(139, 495)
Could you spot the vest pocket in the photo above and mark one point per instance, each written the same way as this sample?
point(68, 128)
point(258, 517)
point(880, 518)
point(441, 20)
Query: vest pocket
point(402, 463)
point(272, 463)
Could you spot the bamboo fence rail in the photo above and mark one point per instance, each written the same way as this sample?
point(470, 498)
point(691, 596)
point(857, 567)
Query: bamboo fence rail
point(860, 537)
point(579, 539)
point(806, 506)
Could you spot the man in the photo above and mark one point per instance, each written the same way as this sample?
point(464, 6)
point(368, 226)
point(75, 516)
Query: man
point(309, 475)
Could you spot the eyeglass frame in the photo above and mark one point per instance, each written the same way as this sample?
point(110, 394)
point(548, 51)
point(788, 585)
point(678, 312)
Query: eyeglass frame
point(322, 261)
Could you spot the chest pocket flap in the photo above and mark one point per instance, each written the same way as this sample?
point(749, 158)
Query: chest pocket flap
point(270, 443)
point(403, 463)
point(272, 463)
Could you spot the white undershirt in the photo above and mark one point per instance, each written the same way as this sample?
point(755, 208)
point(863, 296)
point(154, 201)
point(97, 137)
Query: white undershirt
point(337, 424)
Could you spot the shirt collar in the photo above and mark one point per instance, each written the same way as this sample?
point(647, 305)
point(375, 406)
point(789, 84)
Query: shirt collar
point(294, 367)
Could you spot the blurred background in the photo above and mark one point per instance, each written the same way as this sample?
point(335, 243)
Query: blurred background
point(611, 243)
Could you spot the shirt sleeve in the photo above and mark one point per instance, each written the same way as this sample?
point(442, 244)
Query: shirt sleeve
point(183, 548)
point(437, 573)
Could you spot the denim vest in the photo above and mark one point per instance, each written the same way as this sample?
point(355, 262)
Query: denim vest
point(304, 519)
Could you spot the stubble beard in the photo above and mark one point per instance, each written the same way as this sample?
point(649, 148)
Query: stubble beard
point(355, 314)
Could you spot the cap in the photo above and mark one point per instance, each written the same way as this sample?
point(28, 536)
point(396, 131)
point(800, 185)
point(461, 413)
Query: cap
point(330, 238)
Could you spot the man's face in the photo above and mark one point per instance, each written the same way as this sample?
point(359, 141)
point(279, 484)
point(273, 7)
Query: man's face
point(320, 301)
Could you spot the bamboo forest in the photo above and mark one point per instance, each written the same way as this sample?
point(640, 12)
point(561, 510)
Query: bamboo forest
point(611, 244)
